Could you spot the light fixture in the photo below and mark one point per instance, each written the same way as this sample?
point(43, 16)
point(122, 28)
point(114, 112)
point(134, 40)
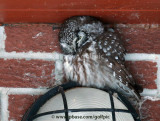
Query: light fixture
point(71, 102)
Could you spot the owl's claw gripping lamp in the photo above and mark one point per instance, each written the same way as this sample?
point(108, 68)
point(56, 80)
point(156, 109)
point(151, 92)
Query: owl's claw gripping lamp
point(71, 102)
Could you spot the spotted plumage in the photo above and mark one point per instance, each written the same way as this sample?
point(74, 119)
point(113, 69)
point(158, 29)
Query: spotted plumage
point(100, 63)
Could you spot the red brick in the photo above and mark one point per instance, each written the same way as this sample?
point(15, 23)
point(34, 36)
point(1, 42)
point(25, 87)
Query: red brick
point(144, 72)
point(22, 38)
point(150, 111)
point(23, 73)
point(18, 105)
point(140, 40)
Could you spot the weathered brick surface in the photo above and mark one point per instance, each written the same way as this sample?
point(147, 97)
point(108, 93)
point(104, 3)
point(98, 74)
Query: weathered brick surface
point(31, 37)
point(144, 72)
point(38, 73)
point(23, 73)
point(150, 111)
point(18, 105)
point(140, 40)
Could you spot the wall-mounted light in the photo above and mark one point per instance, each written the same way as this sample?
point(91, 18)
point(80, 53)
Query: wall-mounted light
point(71, 102)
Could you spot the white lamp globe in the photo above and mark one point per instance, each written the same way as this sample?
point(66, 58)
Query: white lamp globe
point(71, 102)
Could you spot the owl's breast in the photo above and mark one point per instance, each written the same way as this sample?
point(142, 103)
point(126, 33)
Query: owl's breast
point(89, 69)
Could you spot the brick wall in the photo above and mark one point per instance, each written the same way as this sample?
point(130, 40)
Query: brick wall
point(27, 65)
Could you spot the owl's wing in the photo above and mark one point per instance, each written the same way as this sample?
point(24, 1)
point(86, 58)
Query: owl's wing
point(110, 47)
point(125, 81)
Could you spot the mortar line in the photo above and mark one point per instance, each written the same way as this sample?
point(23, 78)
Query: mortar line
point(28, 56)
point(52, 56)
point(149, 92)
point(2, 39)
point(158, 76)
point(39, 91)
point(4, 106)
point(141, 57)
point(21, 91)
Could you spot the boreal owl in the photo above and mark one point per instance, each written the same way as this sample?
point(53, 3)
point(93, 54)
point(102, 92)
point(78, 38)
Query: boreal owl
point(99, 59)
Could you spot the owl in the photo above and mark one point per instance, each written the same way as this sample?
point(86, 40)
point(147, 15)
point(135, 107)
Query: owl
point(98, 62)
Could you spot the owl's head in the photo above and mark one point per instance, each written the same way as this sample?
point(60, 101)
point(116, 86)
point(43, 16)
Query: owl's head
point(76, 31)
